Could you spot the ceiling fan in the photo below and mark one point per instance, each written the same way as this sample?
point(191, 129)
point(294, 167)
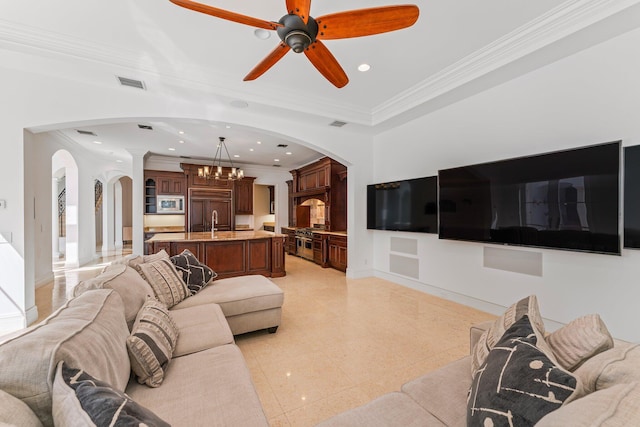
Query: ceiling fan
point(302, 33)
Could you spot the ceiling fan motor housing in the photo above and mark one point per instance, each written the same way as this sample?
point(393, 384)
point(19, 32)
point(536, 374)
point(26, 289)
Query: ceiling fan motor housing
point(296, 34)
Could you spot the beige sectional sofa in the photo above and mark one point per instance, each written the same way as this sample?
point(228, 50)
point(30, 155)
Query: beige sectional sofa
point(203, 382)
point(605, 389)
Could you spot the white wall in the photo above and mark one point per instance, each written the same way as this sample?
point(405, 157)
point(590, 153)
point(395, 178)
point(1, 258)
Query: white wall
point(591, 97)
point(40, 102)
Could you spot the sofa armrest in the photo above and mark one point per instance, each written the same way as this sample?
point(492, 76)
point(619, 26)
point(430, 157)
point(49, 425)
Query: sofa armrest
point(476, 331)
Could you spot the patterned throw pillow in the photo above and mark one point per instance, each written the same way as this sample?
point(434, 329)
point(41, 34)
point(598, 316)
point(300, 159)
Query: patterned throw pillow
point(519, 383)
point(527, 306)
point(194, 274)
point(151, 343)
point(165, 280)
point(579, 340)
point(80, 399)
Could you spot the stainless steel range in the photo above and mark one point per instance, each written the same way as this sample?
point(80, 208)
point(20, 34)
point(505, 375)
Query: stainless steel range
point(304, 243)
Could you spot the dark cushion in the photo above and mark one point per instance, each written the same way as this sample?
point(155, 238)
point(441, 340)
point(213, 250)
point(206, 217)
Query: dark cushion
point(80, 399)
point(519, 383)
point(194, 274)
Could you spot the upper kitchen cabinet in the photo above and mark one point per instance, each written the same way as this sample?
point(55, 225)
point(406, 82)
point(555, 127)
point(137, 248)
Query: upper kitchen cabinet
point(244, 196)
point(162, 183)
point(326, 181)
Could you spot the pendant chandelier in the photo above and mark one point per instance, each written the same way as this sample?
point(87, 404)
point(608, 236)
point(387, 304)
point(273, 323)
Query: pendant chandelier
point(215, 171)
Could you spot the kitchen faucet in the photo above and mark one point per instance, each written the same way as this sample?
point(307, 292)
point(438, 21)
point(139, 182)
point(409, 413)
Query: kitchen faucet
point(214, 221)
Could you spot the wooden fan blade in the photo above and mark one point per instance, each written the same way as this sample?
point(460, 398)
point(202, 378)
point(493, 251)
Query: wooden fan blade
point(225, 14)
point(326, 63)
point(300, 8)
point(268, 62)
point(365, 22)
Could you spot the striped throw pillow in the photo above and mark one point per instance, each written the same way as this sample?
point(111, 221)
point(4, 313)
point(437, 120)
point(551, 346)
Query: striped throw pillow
point(165, 280)
point(151, 343)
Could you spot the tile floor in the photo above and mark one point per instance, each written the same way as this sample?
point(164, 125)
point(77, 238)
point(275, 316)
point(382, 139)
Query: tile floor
point(342, 342)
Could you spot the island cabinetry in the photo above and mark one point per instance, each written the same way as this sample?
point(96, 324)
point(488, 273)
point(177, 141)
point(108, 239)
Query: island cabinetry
point(337, 252)
point(290, 240)
point(277, 256)
point(202, 203)
point(228, 253)
point(244, 196)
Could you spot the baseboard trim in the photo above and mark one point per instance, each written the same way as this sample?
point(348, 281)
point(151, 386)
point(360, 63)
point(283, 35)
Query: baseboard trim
point(32, 314)
point(12, 322)
point(353, 273)
point(487, 306)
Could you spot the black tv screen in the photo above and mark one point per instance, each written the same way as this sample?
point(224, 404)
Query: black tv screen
point(632, 197)
point(563, 200)
point(408, 205)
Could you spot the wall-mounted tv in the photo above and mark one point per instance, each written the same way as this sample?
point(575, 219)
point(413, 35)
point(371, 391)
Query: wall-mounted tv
point(632, 197)
point(564, 200)
point(408, 205)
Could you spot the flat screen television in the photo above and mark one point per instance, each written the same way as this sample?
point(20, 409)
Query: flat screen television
point(632, 197)
point(563, 200)
point(407, 205)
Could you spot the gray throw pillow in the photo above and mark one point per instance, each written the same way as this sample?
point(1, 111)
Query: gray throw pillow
point(195, 274)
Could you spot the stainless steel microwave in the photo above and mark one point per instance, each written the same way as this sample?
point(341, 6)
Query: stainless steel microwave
point(170, 205)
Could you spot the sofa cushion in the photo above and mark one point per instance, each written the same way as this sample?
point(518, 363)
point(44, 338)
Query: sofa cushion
point(220, 382)
point(15, 412)
point(81, 400)
point(199, 328)
point(443, 392)
point(166, 282)
point(133, 289)
point(194, 274)
point(392, 409)
point(611, 407)
point(88, 332)
point(151, 344)
point(619, 365)
point(519, 383)
point(579, 340)
point(527, 306)
point(239, 295)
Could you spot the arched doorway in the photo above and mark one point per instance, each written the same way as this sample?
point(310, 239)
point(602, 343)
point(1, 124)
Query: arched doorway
point(65, 208)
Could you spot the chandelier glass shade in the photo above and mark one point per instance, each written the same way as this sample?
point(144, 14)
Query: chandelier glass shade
point(216, 171)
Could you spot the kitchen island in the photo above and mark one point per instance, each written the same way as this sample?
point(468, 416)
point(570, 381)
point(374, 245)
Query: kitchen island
point(228, 253)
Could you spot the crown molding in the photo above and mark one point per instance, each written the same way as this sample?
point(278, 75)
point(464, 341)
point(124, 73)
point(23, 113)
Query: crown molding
point(565, 19)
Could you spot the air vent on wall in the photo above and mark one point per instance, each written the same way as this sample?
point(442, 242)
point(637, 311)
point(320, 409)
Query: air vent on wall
point(86, 132)
point(138, 84)
point(337, 123)
point(147, 127)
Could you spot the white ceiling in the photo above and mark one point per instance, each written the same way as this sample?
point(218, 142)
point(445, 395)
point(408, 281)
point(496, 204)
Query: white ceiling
point(453, 44)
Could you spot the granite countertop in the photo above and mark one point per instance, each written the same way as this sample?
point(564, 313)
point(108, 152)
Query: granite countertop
point(165, 229)
point(205, 236)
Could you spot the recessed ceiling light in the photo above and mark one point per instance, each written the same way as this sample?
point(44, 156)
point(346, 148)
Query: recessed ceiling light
point(236, 156)
point(118, 161)
point(97, 142)
point(259, 142)
point(276, 160)
point(262, 34)
point(364, 67)
point(172, 149)
point(181, 142)
point(250, 149)
point(181, 132)
point(228, 126)
point(288, 153)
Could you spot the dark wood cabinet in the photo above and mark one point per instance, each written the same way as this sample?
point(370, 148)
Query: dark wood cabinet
point(290, 240)
point(162, 183)
point(320, 249)
point(277, 256)
point(244, 196)
point(337, 248)
point(325, 180)
point(202, 203)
